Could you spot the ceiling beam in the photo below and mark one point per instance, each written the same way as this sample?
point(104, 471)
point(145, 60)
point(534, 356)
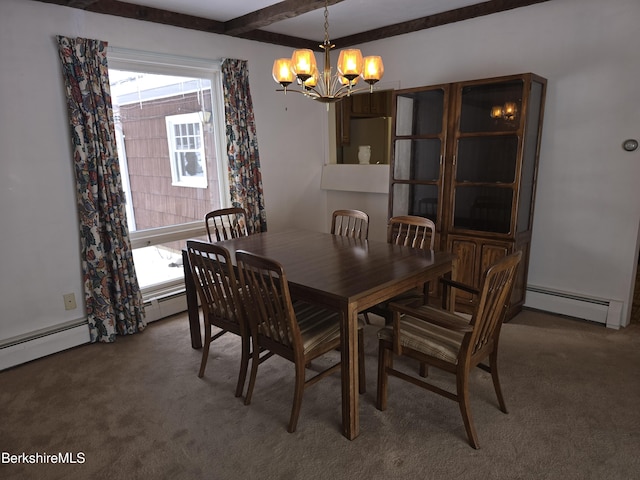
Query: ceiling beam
point(146, 14)
point(274, 13)
point(79, 3)
point(280, 39)
point(439, 19)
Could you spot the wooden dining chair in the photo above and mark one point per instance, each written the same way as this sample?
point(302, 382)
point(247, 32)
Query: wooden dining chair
point(409, 231)
point(449, 342)
point(350, 223)
point(226, 223)
point(297, 331)
point(219, 293)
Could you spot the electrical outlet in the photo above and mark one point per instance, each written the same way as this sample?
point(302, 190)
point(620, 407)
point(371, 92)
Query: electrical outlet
point(69, 301)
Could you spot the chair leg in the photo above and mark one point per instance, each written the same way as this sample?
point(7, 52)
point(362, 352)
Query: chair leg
point(297, 398)
point(424, 369)
point(493, 359)
point(463, 402)
point(205, 350)
point(362, 380)
point(244, 366)
point(255, 362)
point(384, 361)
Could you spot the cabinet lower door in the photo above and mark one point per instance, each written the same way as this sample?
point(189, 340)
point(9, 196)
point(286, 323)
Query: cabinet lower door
point(475, 255)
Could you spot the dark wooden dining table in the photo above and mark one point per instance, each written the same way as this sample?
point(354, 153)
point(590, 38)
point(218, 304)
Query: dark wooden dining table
point(341, 273)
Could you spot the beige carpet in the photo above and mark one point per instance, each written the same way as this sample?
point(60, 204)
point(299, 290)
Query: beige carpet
point(137, 410)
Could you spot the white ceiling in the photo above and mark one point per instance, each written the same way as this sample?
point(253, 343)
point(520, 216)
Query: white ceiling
point(345, 18)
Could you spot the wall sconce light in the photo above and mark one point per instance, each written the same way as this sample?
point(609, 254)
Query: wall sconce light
point(508, 111)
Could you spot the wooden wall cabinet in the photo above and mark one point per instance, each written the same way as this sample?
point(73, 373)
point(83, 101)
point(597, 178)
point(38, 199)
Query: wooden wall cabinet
point(465, 155)
point(376, 104)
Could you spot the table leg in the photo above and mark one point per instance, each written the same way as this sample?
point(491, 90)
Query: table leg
point(349, 357)
point(192, 303)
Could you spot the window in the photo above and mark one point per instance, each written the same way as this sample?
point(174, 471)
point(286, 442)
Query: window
point(186, 150)
point(168, 114)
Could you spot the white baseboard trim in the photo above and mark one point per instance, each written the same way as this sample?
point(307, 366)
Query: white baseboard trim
point(25, 348)
point(600, 310)
point(42, 344)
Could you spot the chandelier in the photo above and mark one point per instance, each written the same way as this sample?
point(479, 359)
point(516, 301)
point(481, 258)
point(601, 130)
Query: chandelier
point(323, 86)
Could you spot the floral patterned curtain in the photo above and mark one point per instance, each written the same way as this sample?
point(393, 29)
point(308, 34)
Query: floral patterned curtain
point(245, 180)
point(112, 294)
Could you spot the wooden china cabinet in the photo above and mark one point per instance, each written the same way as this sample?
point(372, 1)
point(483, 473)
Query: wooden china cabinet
point(465, 155)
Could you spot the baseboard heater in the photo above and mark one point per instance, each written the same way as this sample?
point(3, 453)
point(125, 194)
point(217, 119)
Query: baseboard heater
point(165, 304)
point(601, 310)
point(41, 343)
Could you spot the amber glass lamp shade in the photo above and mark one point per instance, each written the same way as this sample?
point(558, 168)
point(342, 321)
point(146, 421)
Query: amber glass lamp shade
point(345, 81)
point(350, 63)
point(303, 63)
point(373, 69)
point(312, 81)
point(282, 72)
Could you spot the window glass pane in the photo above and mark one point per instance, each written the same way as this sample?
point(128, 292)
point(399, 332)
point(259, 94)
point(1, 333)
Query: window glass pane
point(158, 264)
point(165, 153)
point(169, 162)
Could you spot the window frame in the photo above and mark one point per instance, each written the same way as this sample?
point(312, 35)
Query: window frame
point(165, 64)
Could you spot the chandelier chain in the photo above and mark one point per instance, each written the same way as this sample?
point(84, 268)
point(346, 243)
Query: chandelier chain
point(326, 23)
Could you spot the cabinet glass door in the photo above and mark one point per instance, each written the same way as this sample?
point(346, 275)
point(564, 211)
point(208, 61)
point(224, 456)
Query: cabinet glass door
point(418, 149)
point(486, 157)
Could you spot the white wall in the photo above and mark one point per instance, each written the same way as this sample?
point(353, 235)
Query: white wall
point(587, 209)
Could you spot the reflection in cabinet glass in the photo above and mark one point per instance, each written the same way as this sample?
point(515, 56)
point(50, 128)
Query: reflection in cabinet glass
point(487, 159)
point(485, 107)
point(420, 113)
point(417, 159)
point(415, 199)
point(483, 208)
